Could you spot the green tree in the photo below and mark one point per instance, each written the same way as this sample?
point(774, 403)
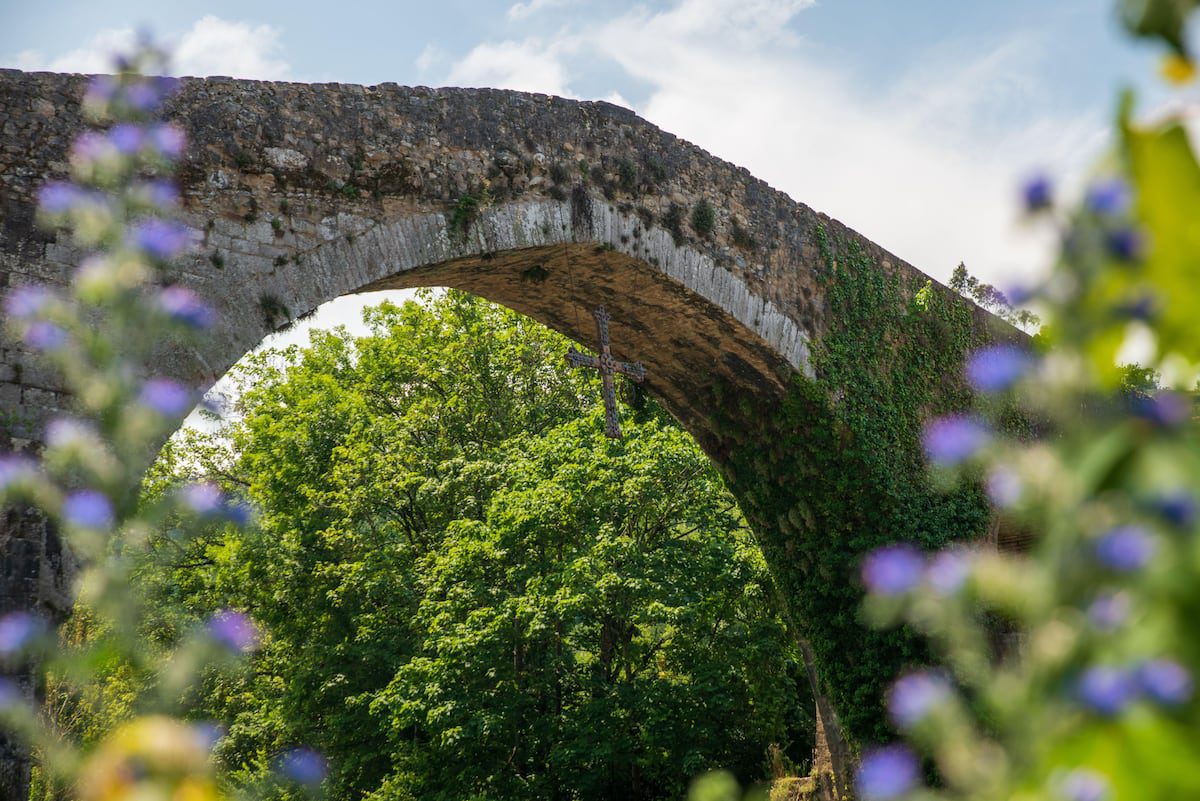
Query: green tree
point(465, 589)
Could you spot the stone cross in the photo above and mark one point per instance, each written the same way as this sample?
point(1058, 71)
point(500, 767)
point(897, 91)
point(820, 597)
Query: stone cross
point(608, 366)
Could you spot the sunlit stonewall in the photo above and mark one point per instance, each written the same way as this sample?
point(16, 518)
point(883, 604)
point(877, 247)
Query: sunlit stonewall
point(119, 306)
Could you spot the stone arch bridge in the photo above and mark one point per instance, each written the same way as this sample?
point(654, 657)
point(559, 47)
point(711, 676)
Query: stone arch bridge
point(736, 298)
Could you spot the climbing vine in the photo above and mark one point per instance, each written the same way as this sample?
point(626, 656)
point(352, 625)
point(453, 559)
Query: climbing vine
point(836, 469)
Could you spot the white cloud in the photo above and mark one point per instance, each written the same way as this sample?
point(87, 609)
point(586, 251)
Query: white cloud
point(523, 10)
point(527, 66)
point(925, 165)
point(212, 46)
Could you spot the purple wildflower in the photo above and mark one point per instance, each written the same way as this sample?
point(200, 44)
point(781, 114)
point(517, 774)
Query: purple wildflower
point(914, 696)
point(996, 368)
point(184, 306)
point(1165, 681)
point(59, 197)
point(1177, 508)
point(90, 147)
point(1109, 611)
point(208, 733)
point(15, 469)
point(18, 630)
point(1003, 486)
point(948, 571)
point(887, 773)
point(161, 239)
point(102, 89)
point(45, 335)
point(1126, 244)
point(168, 140)
point(27, 301)
point(67, 432)
point(1106, 690)
point(1016, 294)
point(1166, 409)
point(1144, 308)
point(160, 194)
point(165, 396)
point(143, 95)
point(1109, 197)
point(127, 138)
point(1124, 549)
point(233, 630)
point(1037, 193)
point(88, 508)
point(10, 693)
point(893, 570)
point(952, 440)
point(207, 500)
point(1084, 785)
point(302, 765)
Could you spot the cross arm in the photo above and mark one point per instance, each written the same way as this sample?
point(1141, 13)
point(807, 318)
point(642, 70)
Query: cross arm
point(578, 359)
point(634, 371)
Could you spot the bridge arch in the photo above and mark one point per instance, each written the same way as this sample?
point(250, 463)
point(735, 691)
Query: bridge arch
point(732, 295)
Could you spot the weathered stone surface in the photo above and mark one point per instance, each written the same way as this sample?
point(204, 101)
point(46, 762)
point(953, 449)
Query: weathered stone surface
point(298, 194)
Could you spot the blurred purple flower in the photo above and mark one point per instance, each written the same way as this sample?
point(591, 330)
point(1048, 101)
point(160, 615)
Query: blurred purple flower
point(168, 140)
point(302, 765)
point(1177, 508)
point(1106, 690)
point(18, 630)
point(184, 306)
point(997, 368)
point(1165, 681)
point(948, 571)
point(1109, 611)
point(160, 194)
point(887, 773)
point(233, 630)
point(16, 468)
point(1037, 193)
point(952, 440)
point(1165, 408)
point(88, 508)
point(1126, 244)
point(893, 570)
point(45, 335)
point(208, 500)
point(1003, 486)
point(127, 138)
point(208, 733)
point(1125, 548)
point(59, 197)
point(143, 95)
point(89, 147)
point(914, 696)
point(66, 432)
point(101, 89)
point(1017, 294)
point(10, 693)
point(1144, 308)
point(1084, 785)
point(1108, 197)
point(165, 396)
point(161, 239)
point(27, 301)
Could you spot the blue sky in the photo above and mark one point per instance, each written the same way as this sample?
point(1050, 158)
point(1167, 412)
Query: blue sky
point(911, 121)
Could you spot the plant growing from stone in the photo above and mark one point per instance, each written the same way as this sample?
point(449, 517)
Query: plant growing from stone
point(1069, 671)
point(99, 331)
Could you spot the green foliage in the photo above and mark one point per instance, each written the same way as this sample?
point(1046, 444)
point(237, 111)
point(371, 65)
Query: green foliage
point(837, 470)
point(991, 299)
point(466, 589)
point(673, 222)
point(704, 218)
